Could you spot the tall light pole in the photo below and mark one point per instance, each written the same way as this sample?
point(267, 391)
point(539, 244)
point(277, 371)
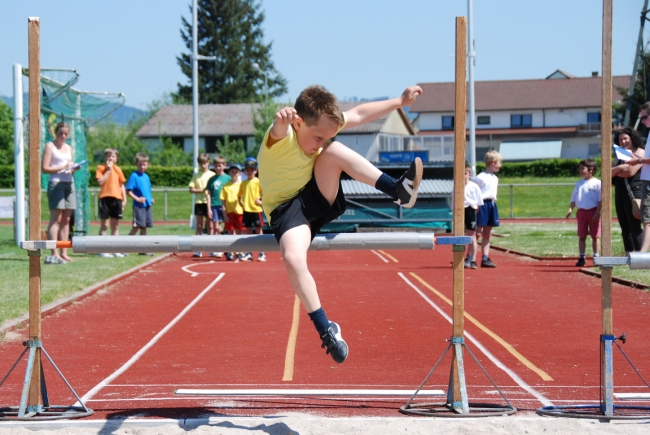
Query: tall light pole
point(195, 88)
point(471, 55)
point(256, 66)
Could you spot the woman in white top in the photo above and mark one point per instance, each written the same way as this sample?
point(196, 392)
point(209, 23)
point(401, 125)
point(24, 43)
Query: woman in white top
point(57, 161)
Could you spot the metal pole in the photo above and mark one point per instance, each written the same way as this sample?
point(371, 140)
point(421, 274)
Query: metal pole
point(195, 93)
point(19, 156)
point(637, 59)
point(471, 56)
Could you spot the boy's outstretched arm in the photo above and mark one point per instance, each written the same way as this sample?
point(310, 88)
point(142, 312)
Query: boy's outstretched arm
point(368, 112)
point(283, 120)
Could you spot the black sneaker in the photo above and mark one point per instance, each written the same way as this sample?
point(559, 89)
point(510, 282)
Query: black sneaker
point(407, 184)
point(336, 346)
point(473, 265)
point(468, 263)
point(229, 256)
point(581, 262)
point(487, 263)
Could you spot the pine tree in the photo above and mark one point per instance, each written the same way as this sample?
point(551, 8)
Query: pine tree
point(232, 31)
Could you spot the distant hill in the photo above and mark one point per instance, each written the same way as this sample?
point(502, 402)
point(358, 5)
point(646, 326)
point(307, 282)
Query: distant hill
point(120, 116)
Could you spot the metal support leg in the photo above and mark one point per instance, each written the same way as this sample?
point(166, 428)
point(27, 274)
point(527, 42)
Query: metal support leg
point(607, 384)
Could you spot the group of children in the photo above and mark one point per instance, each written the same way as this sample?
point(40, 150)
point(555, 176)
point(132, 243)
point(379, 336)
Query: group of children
point(226, 198)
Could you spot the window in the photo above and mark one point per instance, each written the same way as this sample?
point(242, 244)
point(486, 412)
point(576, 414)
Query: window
point(483, 120)
point(447, 122)
point(593, 118)
point(521, 120)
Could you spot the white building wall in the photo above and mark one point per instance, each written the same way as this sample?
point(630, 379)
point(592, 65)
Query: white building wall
point(365, 144)
point(567, 117)
point(580, 147)
point(395, 125)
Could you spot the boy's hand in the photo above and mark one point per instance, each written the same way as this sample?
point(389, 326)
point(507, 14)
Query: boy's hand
point(142, 200)
point(410, 94)
point(286, 116)
point(568, 215)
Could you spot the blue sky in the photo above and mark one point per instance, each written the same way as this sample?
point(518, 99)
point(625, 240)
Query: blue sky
point(355, 48)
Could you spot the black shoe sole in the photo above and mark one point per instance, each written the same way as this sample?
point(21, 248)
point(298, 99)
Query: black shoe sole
point(416, 183)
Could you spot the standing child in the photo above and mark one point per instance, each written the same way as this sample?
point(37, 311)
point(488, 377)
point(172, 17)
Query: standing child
point(138, 187)
point(488, 214)
point(473, 200)
point(213, 198)
point(250, 196)
point(234, 212)
point(198, 185)
point(587, 196)
point(112, 196)
point(300, 173)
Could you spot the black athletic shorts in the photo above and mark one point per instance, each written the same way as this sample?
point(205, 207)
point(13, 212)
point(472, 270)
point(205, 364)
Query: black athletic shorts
point(201, 209)
point(308, 207)
point(470, 218)
point(253, 219)
point(110, 207)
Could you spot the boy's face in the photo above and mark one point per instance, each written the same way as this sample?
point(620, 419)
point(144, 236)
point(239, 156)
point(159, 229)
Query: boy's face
point(111, 158)
point(204, 166)
point(584, 171)
point(495, 165)
point(234, 173)
point(219, 167)
point(142, 166)
point(468, 175)
point(313, 137)
point(250, 172)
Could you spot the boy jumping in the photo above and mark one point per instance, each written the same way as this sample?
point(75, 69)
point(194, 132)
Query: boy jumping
point(300, 175)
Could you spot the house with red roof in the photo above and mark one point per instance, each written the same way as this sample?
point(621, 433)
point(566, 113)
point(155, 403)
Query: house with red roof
point(558, 116)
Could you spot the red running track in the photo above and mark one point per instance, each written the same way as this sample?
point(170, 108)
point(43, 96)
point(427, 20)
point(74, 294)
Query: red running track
point(533, 325)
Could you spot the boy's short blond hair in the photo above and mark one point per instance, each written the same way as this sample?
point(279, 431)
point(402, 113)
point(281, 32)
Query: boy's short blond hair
point(492, 156)
point(203, 158)
point(109, 152)
point(316, 101)
point(141, 158)
point(219, 159)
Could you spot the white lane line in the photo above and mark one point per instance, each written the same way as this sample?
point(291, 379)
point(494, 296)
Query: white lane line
point(148, 346)
point(539, 396)
point(379, 255)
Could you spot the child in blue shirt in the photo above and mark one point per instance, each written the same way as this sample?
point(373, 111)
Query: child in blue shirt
point(138, 187)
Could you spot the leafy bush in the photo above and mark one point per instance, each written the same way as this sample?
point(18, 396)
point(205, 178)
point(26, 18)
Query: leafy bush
point(541, 168)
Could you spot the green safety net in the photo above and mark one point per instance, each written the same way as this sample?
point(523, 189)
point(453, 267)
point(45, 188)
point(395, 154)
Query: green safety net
point(80, 110)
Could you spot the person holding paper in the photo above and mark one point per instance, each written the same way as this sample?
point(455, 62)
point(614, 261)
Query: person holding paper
point(626, 179)
point(644, 117)
point(58, 163)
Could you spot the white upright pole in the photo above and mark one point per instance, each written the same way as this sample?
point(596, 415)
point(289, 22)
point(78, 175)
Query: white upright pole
point(471, 54)
point(195, 92)
point(19, 157)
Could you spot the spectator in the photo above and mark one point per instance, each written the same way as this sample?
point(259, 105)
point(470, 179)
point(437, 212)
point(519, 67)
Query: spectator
point(626, 179)
point(57, 161)
point(587, 196)
point(112, 196)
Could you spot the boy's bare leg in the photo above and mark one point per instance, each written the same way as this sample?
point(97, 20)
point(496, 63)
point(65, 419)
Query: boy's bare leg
point(115, 231)
point(294, 245)
point(582, 245)
point(336, 158)
point(103, 226)
point(646, 237)
point(472, 248)
point(485, 240)
point(199, 224)
point(595, 245)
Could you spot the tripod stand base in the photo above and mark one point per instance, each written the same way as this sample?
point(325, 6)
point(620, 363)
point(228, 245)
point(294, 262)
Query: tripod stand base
point(446, 410)
point(52, 412)
point(624, 412)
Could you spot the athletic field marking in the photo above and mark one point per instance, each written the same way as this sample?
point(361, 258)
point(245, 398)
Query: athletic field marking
point(379, 255)
point(485, 329)
point(306, 392)
point(291, 344)
point(187, 267)
point(632, 396)
point(395, 260)
point(148, 346)
point(539, 396)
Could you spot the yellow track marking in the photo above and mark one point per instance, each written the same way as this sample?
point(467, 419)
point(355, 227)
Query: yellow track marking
point(291, 344)
point(388, 255)
point(485, 329)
